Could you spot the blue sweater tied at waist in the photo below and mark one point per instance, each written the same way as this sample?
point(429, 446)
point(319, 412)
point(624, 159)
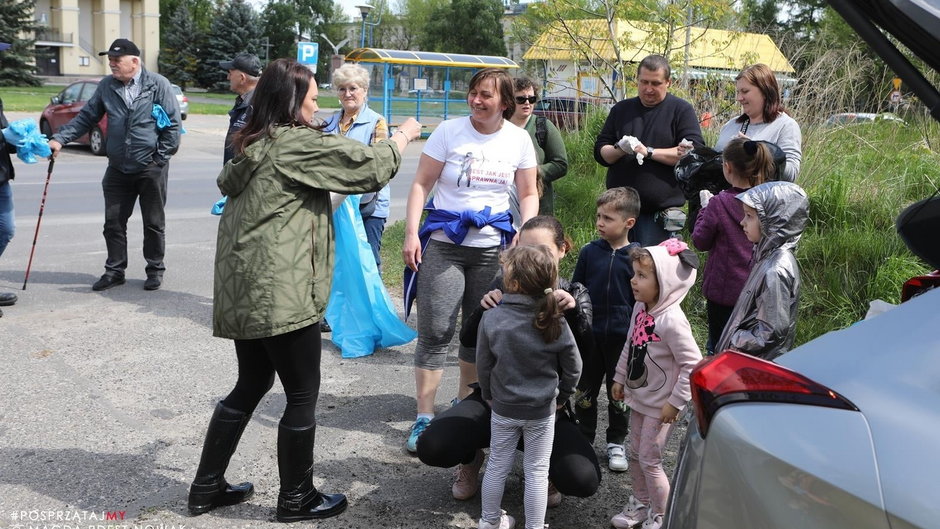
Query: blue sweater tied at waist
point(456, 225)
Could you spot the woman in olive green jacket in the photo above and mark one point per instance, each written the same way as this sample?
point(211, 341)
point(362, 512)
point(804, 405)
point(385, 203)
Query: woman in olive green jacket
point(273, 266)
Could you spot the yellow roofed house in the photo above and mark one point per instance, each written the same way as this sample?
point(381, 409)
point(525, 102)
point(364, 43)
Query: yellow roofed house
point(580, 57)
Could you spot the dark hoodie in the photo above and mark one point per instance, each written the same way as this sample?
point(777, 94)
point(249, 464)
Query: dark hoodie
point(763, 322)
point(607, 273)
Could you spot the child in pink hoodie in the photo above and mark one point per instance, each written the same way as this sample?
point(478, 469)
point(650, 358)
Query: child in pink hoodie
point(652, 376)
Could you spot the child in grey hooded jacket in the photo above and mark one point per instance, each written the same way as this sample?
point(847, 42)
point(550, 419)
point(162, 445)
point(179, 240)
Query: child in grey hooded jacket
point(528, 366)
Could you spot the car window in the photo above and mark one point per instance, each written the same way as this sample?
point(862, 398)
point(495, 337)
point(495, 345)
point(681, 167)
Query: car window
point(88, 90)
point(177, 90)
point(72, 93)
point(544, 104)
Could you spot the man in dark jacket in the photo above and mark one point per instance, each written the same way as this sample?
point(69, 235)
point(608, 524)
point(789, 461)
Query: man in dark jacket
point(6, 195)
point(657, 121)
point(243, 73)
point(140, 143)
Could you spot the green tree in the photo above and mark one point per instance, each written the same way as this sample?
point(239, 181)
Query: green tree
point(178, 56)
point(16, 63)
point(279, 21)
point(760, 16)
point(413, 20)
point(236, 29)
point(466, 26)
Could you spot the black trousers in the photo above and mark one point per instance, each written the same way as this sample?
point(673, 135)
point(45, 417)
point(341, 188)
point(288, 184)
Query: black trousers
point(295, 357)
point(718, 316)
point(121, 191)
point(454, 436)
point(603, 365)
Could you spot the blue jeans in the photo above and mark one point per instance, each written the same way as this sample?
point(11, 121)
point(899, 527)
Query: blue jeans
point(6, 215)
point(375, 227)
point(648, 231)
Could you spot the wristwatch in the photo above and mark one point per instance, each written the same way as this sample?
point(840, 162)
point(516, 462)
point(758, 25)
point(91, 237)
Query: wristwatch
point(649, 153)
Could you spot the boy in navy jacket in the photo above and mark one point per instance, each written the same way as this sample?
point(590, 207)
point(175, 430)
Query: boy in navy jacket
point(605, 268)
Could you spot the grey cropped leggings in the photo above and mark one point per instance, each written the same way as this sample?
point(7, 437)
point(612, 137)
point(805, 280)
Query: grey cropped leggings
point(451, 278)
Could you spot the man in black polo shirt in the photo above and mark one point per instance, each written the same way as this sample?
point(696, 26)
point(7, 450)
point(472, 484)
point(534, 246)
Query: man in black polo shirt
point(659, 121)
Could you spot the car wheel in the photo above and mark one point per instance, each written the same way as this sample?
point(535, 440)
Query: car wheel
point(183, 116)
point(45, 128)
point(96, 141)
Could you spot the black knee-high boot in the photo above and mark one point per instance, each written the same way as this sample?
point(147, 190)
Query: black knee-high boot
point(299, 499)
point(210, 490)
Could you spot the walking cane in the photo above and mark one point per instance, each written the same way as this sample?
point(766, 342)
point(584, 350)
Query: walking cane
point(42, 205)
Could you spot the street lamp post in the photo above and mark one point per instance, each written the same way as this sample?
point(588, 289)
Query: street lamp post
point(365, 9)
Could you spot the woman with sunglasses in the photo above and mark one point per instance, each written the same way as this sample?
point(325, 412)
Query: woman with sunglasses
point(549, 146)
point(473, 161)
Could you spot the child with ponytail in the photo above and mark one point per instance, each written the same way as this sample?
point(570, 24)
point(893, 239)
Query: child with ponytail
point(528, 366)
point(717, 231)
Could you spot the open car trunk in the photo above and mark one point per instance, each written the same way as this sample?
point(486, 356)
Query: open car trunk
point(915, 23)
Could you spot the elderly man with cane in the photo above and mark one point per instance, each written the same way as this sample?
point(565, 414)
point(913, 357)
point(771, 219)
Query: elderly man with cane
point(143, 133)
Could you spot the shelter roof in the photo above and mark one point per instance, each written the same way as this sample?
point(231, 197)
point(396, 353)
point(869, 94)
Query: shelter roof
point(571, 40)
point(429, 58)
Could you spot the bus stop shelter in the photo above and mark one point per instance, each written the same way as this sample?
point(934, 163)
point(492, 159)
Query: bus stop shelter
point(421, 83)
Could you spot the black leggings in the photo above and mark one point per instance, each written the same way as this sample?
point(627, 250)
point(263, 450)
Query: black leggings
point(454, 436)
point(295, 357)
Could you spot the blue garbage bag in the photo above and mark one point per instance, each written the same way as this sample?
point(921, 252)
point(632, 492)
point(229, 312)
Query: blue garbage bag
point(24, 134)
point(360, 310)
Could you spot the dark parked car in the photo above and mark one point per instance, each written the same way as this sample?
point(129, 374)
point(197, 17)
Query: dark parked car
point(65, 106)
point(841, 432)
point(567, 113)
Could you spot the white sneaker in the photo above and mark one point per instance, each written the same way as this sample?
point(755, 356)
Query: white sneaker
point(653, 521)
point(616, 458)
point(505, 522)
point(632, 515)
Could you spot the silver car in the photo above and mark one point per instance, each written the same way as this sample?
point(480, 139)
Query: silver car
point(844, 431)
point(182, 100)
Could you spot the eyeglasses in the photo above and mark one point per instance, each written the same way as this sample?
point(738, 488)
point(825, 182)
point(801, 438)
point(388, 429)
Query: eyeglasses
point(521, 100)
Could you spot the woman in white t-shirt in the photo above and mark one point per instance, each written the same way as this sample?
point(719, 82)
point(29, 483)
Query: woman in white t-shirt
point(471, 163)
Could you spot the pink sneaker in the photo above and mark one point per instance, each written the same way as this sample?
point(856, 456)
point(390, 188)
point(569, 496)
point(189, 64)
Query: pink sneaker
point(467, 478)
point(634, 513)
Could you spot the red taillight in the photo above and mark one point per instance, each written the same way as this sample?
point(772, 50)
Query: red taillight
point(917, 285)
point(736, 377)
point(185, 99)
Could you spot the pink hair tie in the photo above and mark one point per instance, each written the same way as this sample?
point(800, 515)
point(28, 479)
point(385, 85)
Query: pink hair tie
point(674, 246)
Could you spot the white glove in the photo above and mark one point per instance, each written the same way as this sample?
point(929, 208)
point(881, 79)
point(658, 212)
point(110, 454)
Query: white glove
point(624, 144)
point(685, 146)
point(704, 196)
point(629, 144)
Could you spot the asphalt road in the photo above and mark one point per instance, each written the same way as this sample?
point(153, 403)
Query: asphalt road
point(106, 396)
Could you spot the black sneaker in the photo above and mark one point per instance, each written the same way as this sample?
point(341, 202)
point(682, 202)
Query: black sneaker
point(153, 283)
point(107, 281)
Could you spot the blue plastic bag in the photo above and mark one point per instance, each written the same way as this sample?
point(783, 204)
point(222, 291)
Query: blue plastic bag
point(24, 134)
point(360, 310)
point(163, 120)
point(219, 206)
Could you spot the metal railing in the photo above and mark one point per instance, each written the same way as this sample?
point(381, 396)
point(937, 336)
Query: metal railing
point(49, 34)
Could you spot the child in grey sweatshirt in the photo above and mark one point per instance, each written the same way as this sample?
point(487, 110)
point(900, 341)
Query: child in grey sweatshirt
point(528, 366)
